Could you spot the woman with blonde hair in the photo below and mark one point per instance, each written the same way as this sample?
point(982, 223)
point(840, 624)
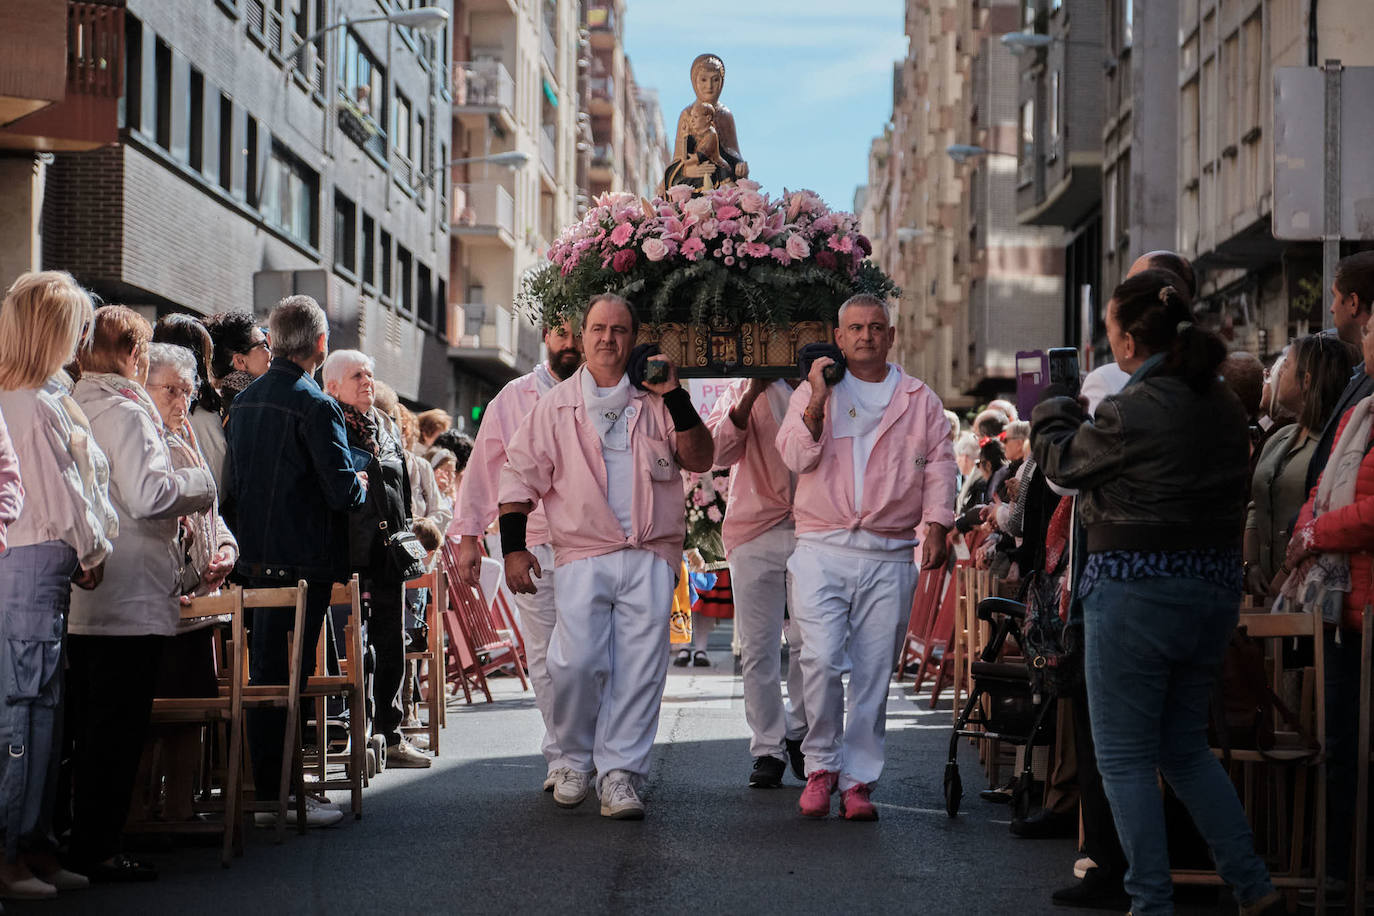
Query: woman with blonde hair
point(59, 537)
point(119, 634)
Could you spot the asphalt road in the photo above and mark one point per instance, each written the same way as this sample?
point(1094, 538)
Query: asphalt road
point(475, 833)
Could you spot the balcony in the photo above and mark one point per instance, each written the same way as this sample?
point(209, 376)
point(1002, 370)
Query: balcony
point(484, 210)
point(481, 90)
point(492, 344)
point(548, 155)
point(602, 165)
point(602, 24)
point(67, 82)
point(601, 96)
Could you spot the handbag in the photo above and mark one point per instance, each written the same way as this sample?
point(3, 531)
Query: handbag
point(404, 553)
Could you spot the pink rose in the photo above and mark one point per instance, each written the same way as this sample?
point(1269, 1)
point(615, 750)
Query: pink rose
point(655, 249)
point(727, 212)
point(700, 207)
point(714, 515)
point(623, 260)
point(680, 193)
point(797, 247)
point(751, 202)
point(781, 256)
point(622, 234)
point(693, 249)
point(708, 229)
point(747, 184)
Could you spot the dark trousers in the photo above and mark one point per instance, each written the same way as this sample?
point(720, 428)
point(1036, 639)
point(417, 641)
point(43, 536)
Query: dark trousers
point(110, 687)
point(1342, 747)
point(1100, 842)
point(270, 663)
point(386, 622)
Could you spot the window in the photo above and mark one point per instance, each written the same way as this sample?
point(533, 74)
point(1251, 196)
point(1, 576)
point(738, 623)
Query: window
point(403, 280)
point(253, 172)
point(1053, 119)
point(226, 142)
point(129, 108)
point(441, 182)
point(424, 298)
point(195, 113)
point(163, 76)
point(345, 233)
point(385, 253)
point(1127, 25)
point(1028, 15)
point(1026, 166)
point(369, 250)
point(362, 89)
point(441, 310)
point(421, 144)
point(400, 127)
point(290, 196)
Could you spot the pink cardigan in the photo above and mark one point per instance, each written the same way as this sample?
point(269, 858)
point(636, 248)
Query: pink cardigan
point(760, 496)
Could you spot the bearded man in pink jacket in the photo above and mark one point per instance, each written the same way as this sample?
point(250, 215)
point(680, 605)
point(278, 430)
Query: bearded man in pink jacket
point(875, 467)
point(605, 458)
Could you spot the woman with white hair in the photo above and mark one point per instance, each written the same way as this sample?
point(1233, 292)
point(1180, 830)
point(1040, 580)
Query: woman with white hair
point(377, 451)
point(119, 632)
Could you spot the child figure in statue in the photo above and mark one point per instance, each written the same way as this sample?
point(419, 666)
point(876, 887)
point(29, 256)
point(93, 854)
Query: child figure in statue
point(703, 140)
point(708, 79)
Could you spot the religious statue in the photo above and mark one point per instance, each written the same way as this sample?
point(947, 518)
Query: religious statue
point(706, 148)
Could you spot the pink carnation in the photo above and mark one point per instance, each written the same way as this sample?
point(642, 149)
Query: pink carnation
point(623, 260)
point(781, 256)
point(797, 247)
point(756, 249)
point(693, 249)
point(714, 515)
point(622, 234)
point(727, 212)
point(824, 224)
point(841, 243)
point(655, 249)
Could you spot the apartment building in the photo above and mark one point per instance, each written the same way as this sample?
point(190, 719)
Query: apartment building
point(233, 172)
point(515, 89)
point(977, 285)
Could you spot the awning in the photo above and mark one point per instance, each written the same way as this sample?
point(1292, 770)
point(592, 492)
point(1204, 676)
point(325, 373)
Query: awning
point(550, 94)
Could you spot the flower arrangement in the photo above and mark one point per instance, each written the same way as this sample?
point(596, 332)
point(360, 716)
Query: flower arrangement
point(732, 252)
point(705, 511)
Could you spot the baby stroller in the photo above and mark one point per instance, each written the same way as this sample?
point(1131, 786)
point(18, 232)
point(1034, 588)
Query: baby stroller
point(1011, 700)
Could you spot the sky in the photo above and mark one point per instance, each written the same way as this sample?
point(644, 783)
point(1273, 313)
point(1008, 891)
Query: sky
point(809, 82)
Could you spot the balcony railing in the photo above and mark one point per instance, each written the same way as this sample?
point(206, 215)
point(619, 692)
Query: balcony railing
point(483, 205)
point(603, 156)
point(548, 150)
point(95, 49)
point(484, 84)
point(601, 17)
point(601, 89)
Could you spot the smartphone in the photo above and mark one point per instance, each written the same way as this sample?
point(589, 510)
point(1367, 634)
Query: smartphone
point(655, 371)
point(1064, 368)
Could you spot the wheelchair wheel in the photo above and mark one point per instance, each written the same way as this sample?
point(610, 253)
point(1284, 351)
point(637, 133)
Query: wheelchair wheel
point(954, 789)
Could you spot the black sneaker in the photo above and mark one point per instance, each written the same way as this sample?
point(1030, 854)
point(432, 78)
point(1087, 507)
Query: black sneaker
point(767, 773)
point(796, 757)
point(1097, 891)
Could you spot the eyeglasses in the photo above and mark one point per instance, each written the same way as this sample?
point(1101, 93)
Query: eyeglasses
point(177, 391)
point(262, 343)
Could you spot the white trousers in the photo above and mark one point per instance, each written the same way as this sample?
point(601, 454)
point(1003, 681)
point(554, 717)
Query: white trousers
point(761, 585)
point(606, 663)
point(845, 602)
point(537, 615)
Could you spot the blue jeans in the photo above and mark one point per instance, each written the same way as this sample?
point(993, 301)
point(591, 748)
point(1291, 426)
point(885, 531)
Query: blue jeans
point(1153, 650)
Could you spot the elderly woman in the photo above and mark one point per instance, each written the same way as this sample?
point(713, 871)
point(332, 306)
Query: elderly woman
point(118, 632)
point(204, 415)
point(377, 451)
point(241, 353)
point(57, 537)
point(1162, 583)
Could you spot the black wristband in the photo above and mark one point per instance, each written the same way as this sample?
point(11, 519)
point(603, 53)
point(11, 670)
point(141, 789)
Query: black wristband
point(512, 531)
point(680, 408)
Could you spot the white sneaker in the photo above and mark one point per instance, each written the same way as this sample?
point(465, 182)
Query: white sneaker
point(317, 814)
point(406, 756)
point(1080, 867)
point(570, 787)
point(619, 798)
point(550, 780)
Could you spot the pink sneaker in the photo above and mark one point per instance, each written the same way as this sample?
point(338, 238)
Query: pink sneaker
point(855, 806)
point(815, 798)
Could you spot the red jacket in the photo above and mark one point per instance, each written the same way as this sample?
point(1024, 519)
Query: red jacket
point(1349, 530)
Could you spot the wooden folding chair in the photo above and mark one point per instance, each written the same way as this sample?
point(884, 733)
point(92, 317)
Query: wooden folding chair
point(431, 661)
point(916, 645)
point(277, 600)
point(1359, 878)
point(502, 617)
point(940, 664)
point(475, 648)
point(351, 685)
point(224, 709)
point(1292, 751)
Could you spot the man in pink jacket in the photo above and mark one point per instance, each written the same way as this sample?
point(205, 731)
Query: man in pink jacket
point(477, 508)
point(605, 459)
point(875, 465)
point(759, 536)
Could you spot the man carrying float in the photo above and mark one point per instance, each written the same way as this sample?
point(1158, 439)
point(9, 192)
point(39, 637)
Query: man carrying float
point(605, 460)
point(875, 465)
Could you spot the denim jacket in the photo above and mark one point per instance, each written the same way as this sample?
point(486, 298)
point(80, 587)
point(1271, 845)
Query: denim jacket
point(289, 471)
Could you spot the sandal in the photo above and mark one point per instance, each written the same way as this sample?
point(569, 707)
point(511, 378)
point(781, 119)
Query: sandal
point(701, 660)
point(683, 657)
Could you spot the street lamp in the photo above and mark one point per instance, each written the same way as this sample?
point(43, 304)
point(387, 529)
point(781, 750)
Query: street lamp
point(963, 152)
point(1019, 43)
point(510, 158)
point(425, 19)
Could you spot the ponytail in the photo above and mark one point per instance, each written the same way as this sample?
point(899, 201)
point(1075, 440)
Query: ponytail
point(1151, 309)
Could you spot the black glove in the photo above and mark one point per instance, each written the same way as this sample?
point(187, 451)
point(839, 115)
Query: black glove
point(641, 370)
point(813, 351)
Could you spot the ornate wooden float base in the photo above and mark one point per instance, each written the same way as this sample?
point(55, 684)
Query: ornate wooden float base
point(723, 349)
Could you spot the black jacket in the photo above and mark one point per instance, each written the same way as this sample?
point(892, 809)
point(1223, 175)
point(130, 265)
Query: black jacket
point(388, 500)
point(1158, 467)
point(289, 472)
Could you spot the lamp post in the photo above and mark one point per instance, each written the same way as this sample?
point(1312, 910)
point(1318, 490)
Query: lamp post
point(1019, 43)
point(963, 152)
point(513, 158)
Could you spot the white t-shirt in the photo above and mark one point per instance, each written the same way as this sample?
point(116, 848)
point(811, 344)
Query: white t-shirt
point(620, 469)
